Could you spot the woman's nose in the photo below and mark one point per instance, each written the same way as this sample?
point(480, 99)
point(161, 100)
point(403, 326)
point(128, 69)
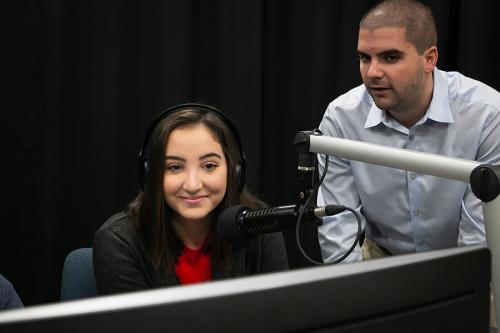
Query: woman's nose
point(192, 183)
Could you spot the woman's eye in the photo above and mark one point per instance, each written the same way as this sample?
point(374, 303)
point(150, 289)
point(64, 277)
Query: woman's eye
point(174, 167)
point(210, 166)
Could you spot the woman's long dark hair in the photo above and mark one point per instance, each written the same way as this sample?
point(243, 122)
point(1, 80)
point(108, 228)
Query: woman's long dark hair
point(153, 217)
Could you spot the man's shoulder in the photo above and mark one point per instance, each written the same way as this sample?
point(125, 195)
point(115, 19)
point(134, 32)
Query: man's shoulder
point(8, 295)
point(352, 107)
point(469, 90)
point(352, 99)
point(5, 285)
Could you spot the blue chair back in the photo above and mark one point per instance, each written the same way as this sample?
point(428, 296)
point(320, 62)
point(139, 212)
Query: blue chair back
point(78, 279)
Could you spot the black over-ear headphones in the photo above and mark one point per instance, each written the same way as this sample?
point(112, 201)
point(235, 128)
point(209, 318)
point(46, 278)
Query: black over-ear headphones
point(143, 162)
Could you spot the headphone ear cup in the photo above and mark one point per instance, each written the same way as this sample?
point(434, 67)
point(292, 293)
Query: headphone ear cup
point(239, 174)
point(143, 171)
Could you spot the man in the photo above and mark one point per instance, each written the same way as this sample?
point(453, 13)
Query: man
point(406, 102)
point(8, 296)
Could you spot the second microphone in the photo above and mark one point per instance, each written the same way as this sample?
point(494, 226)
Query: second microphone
point(240, 223)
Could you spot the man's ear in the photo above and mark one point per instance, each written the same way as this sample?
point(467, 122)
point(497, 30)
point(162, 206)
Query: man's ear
point(430, 58)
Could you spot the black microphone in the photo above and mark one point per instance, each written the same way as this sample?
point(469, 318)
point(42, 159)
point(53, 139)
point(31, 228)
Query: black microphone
point(240, 223)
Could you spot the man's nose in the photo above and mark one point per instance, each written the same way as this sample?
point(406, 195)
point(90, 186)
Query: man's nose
point(375, 70)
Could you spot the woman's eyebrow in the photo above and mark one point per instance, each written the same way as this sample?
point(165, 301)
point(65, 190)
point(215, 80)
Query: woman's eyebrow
point(211, 155)
point(178, 158)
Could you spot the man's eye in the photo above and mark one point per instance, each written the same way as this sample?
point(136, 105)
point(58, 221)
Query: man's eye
point(363, 58)
point(391, 58)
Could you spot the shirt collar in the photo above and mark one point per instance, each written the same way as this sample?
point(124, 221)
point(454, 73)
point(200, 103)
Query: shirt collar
point(375, 116)
point(439, 109)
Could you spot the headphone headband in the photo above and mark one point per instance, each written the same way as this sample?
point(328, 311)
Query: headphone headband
point(143, 160)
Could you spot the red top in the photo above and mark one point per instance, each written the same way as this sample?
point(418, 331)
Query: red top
point(193, 266)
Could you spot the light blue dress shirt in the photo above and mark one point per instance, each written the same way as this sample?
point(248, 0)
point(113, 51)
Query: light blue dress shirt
point(401, 210)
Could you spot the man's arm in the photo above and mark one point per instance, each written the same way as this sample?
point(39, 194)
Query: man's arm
point(338, 233)
point(471, 228)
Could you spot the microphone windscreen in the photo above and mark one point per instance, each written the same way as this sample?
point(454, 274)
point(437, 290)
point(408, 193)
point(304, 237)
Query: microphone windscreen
point(227, 224)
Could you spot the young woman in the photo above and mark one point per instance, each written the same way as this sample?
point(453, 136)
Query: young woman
point(191, 168)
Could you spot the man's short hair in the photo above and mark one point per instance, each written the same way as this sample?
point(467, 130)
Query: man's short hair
point(416, 17)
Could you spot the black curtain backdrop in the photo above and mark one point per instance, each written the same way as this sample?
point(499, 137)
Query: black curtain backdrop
point(83, 79)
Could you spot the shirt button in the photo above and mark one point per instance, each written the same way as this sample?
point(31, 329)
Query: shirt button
point(420, 243)
point(416, 212)
point(411, 137)
point(413, 176)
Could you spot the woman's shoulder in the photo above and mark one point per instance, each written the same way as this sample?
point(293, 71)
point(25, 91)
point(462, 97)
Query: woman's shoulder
point(270, 248)
point(118, 235)
point(260, 243)
point(119, 224)
point(273, 240)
